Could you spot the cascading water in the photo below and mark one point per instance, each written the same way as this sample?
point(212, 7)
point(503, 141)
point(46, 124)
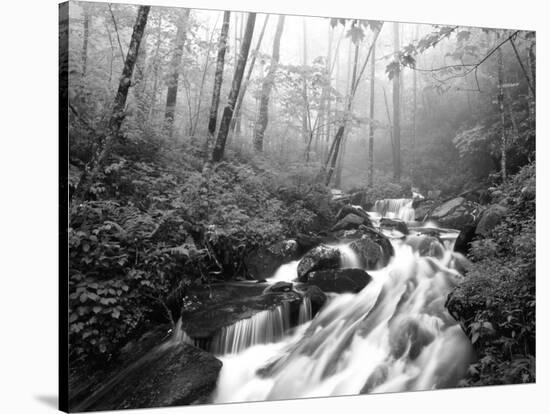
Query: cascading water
point(394, 335)
point(305, 314)
point(400, 208)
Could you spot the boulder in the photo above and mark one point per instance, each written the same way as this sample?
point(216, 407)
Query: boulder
point(455, 213)
point(353, 209)
point(350, 221)
point(426, 246)
point(171, 374)
point(464, 239)
point(421, 208)
point(489, 219)
point(373, 249)
point(339, 280)
point(315, 295)
point(319, 258)
point(227, 304)
point(394, 224)
point(264, 261)
point(279, 287)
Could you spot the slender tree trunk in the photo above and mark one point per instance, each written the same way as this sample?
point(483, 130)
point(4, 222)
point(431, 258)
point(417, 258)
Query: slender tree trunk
point(503, 143)
point(218, 77)
point(413, 140)
point(531, 59)
point(261, 123)
point(328, 99)
point(139, 82)
point(396, 109)
point(105, 144)
point(305, 112)
point(85, 37)
point(244, 87)
point(371, 117)
point(219, 147)
point(172, 93)
point(156, 68)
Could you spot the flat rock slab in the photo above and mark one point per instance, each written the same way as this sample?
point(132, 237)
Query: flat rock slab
point(229, 304)
point(339, 280)
point(171, 374)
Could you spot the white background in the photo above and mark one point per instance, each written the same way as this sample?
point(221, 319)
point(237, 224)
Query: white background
point(29, 226)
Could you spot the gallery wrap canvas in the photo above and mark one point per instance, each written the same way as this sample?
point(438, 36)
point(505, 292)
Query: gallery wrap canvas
point(260, 207)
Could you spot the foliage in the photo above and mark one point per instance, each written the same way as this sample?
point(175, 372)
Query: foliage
point(496, 303)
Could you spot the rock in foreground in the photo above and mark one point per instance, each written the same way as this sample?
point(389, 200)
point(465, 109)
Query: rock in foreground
point(319, 258)
point(172, 374)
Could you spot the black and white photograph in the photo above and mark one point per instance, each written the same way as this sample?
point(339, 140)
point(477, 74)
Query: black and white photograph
point(261, 207)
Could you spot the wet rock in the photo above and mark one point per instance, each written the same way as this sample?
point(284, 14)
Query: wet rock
point(373, 249)
point(279, 287)
point(350, 221)
point(319, 258)
point(339, 280)
point(171, 374)
point(489, 219)
point(455, 213)
point(264, 261)
point(315, 295)
point(421, 208)
point(408, 335)
point(464, 240)
point(228, 304)
point(426, 246)
point(353, 209)
point(394, 224)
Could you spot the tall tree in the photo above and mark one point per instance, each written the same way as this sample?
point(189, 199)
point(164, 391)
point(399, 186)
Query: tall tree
point(106, 142)
point(172, 93)
point(371, 115)
point(261, 123)
point(328, 101)
point(413, 138)
point(251, 64)
point(85, 37)
point(396, 108)
point(219, 147)
point(218, 77)
point(332, 157)
point(305, 112)
point(503, 143)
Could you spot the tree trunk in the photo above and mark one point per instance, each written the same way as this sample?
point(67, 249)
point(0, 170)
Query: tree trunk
point(305, 112)
point(106, 143)
point(503, 143)
point(156, 68)
point(219, 147)
point(139, 83)
point(371, 117)
point(172, 93)
point(413, 139)
point(218, 77)
point(244, 88)
point(396, 109)
point(261, 123)
point(328, 106)
point(85, 37)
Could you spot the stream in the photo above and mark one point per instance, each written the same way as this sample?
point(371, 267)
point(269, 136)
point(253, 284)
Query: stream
point(394, 335)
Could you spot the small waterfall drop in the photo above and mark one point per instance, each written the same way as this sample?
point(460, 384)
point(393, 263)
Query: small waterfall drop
point(263, 327)
point(285, 273)
point(305, 314)
point(348, 257)
point(400, 208)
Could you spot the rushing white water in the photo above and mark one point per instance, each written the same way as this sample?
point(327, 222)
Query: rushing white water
point(263, 327)
point(400, 208)
point(285, 273)
point(394, 335)
point(348, 258)
point(305, 314)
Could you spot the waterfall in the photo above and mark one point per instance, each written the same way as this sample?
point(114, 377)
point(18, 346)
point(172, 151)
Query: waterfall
point(400, 208)
point(394, 335)
point(263, 327)
point(305, 314)
point(285, 273)
point(348, 257)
